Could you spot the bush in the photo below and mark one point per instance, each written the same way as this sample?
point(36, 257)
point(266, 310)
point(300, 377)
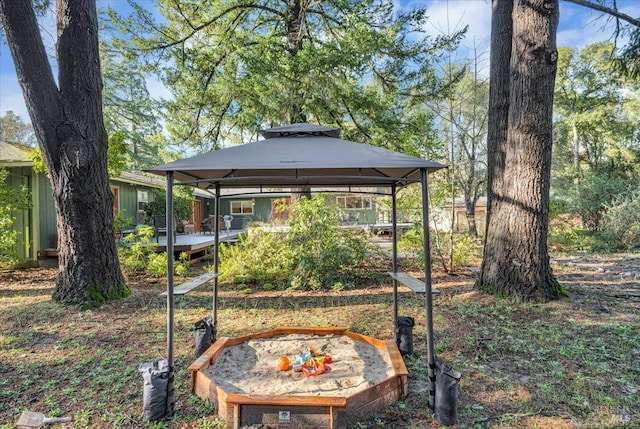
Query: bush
point(121, 220)
point(138, 255)
point(157, 266)
point(567, 238)
point(134, 253)
point(466, 250)
point(181, 203)
point(259, 257)
point(11, 201)
point(622, 221)
point(597, 191)
point(324, 253)
point(315, 254)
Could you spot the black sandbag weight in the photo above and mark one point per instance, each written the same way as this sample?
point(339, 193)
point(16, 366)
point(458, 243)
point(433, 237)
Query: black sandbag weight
point(447, 391)
point(404, 335)
point(156, 385)
point(204, 335)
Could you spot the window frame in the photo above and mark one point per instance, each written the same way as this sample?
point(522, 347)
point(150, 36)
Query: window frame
point(346, 202)
point(245, 207)
point(142, 196)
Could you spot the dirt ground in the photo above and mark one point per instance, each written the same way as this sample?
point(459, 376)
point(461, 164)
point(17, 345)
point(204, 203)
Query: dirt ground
point(571, 363)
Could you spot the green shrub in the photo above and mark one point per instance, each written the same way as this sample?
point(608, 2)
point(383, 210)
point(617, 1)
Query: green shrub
point(314, 254)
point(565, 238)
point(339, 286)
point(157, 264)
point(411, 241)
point(182, 208)
point(258, 256)
point(135, 251)
point(296, 283)
point(11, 201)
point(138, 255)
point(120, 220)
point(181, 266)
point(596, 192)
point(323, 252)
point(622, 221)
point(466, 249)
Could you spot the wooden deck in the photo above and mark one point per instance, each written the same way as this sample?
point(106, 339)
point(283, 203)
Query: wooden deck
point(197, 245)
point(387, 228)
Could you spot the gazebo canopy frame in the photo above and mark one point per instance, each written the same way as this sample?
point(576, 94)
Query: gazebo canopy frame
point(300, 156)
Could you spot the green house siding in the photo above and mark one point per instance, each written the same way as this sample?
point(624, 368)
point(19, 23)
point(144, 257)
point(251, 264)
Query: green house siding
point(128, 199)
point(45, 209)
point(261, 208)
point(48, 236)
point(263, 205)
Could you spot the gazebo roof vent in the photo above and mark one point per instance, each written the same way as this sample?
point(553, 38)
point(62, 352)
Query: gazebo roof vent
point(300, 130)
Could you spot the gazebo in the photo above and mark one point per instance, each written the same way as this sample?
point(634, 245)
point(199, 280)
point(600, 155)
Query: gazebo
point(301, 156)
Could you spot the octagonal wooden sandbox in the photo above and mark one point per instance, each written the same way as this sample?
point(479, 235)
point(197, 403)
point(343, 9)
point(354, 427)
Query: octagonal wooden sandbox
point(300, 411)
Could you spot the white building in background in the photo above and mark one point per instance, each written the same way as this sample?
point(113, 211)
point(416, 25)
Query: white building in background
point(441, 216)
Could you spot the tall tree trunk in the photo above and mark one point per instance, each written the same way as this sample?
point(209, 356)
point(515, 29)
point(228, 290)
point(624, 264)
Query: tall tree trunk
point(516, 259)
point(294, 18)
point(470, 212)
point(68, 125)
point(576, 159)
point(295, 15)
point(500, 57)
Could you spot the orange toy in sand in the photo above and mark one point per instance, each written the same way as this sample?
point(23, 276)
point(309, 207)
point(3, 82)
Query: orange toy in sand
point(283, 363)
point(314, 366)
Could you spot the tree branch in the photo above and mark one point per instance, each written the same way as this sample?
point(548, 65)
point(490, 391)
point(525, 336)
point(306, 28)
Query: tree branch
point(608, 10)
point(216, 18)
point(33, 70)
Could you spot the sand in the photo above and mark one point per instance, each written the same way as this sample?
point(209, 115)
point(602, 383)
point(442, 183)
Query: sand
point(251, 368)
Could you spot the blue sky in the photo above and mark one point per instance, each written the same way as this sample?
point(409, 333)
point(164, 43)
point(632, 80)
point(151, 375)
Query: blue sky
point(578, 27)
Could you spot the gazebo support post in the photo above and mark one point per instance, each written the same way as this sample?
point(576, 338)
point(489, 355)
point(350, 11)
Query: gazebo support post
point(427, 282)
point(394, 260)
point(170, 297)
point(216, 244)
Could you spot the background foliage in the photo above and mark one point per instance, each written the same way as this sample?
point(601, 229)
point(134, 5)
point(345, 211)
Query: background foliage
point(315, 253)
point(182, 198)
point(233, 67)
point(11, 200)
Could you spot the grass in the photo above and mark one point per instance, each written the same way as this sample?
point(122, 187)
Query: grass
point(565, 364)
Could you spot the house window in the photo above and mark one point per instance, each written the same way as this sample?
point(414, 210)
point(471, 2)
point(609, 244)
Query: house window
point(242, 207)
point(143, 199)
point(354, 202)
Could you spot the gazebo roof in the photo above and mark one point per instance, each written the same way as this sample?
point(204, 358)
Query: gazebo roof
point(298, 155)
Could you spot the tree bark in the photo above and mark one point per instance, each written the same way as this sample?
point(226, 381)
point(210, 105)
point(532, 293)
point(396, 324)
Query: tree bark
point(499, 59)
point(68, 123)
point(576, 159)
point(470, 213)
point(516, 259)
